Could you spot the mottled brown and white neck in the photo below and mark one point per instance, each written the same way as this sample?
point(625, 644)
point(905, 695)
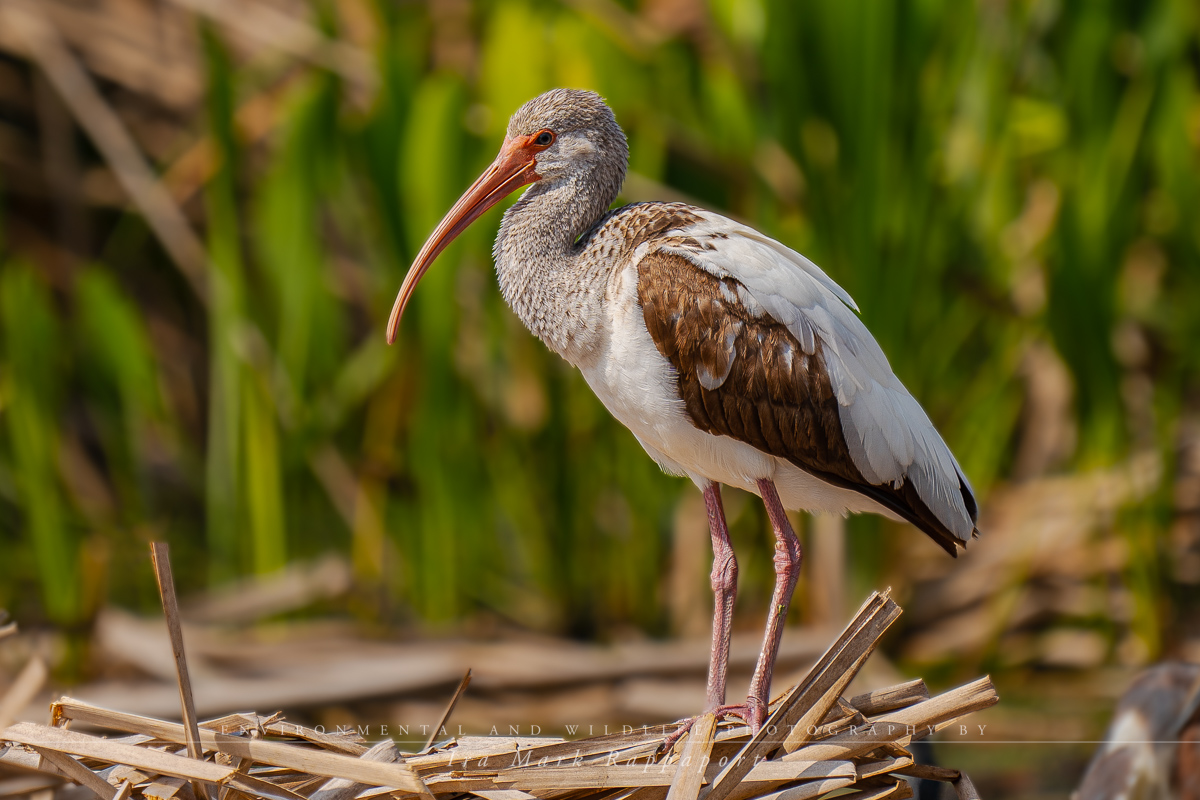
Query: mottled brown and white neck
point(554, 282)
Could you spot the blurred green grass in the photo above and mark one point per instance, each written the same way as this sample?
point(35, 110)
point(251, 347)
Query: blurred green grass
point(983, 178)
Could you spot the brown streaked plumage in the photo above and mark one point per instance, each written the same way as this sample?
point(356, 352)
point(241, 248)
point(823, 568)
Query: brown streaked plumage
point(770, 393)
point(733, 359)
point(634, 225)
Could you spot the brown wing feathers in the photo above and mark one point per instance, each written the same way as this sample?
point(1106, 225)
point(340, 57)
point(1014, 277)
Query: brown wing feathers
point(747, 377)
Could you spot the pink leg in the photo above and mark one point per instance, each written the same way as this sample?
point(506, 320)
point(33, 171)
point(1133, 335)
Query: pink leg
point(724, 586)
point(788, 557)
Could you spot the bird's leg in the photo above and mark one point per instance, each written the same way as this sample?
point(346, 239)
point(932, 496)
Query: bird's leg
point(724, 586)
point(788, 556)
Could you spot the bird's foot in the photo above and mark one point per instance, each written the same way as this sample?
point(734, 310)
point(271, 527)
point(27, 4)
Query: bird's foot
point(753, 712)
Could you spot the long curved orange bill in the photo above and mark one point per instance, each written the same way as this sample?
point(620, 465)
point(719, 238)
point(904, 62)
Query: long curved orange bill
point(512, 169)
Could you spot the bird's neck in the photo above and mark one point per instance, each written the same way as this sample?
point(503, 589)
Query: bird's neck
point(555, 287)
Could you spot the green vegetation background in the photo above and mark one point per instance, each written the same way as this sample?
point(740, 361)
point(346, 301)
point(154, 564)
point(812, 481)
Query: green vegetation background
point(983, 177)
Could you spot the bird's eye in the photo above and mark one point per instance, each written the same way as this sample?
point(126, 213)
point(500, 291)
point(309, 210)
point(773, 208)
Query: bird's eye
point(544, 139)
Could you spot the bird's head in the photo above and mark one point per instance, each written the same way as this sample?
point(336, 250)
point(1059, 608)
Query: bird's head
point(560, 136)
point(575, 131)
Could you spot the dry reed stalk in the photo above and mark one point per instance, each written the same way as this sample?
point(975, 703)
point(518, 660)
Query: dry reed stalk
point(833, 745)
point(689, 774)
point(266, 26)
point(112, 138)
point(28, 683)
point(160, 556)
point(458, 693)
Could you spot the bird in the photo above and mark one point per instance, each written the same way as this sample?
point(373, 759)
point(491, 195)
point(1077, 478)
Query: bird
point(1152, 746)
point(733, 359)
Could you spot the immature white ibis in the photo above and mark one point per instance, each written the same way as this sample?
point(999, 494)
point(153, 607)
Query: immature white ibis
point(732, 358)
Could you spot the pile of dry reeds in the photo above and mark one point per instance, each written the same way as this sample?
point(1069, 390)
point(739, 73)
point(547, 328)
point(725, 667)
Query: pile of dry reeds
point(814, 743)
